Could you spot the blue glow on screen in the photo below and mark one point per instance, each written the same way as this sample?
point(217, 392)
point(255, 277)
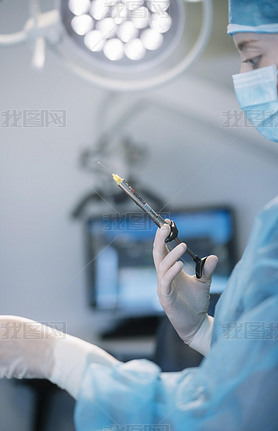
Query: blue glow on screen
point(214, 224)
point(123, 275)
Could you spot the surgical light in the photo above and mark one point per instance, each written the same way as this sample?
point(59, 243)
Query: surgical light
point(82, 24)
point(161, 24)
point(135, 49)
point(78, 7)
point(127, 31)
point(151, 39)
point(118, 44)
point(94, 41)
point(114, 49)
point(125, 20)
point(99, 10)
point(158, 6)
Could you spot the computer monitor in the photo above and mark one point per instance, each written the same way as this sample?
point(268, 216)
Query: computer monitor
point(121, 273)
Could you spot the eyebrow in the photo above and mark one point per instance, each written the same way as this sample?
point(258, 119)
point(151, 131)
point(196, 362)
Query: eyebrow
point(242, 45)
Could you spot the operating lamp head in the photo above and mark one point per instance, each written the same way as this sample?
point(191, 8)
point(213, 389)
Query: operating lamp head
point(120, 45)
point(124, 32)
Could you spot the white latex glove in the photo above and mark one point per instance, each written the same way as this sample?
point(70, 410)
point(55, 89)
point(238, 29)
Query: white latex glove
point(29, 349)
point(185, 298)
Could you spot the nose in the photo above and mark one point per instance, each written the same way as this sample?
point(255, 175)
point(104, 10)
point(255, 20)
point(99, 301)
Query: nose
point(245, 68)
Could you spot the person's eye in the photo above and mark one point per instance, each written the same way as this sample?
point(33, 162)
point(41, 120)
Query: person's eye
point(254, 62)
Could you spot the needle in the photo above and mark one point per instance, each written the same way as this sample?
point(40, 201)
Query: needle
point(106, 170)
point(159, 221)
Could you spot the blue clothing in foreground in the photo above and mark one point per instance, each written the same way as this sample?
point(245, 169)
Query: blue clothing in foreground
point(234, 389)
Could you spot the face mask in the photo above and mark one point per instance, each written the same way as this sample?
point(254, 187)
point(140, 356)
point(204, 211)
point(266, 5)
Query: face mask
point(256, 92)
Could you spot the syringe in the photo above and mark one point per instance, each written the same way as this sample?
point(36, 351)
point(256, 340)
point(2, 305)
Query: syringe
point(159, 221)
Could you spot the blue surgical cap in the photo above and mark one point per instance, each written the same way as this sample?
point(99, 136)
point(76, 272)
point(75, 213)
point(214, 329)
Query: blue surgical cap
point(259, 16)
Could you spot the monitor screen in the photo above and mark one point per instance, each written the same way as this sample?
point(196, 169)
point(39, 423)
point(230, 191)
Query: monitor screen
point(121, 273)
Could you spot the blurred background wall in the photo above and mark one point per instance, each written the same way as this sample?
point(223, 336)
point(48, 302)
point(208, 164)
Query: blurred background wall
point(193, 160)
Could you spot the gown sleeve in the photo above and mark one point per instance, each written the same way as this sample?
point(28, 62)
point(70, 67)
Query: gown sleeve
point(235, 388)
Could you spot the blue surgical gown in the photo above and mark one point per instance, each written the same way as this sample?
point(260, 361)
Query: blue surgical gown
point(236, 386)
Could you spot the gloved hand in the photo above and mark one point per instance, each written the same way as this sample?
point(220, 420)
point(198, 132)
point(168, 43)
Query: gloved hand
point(29, 349)
point(185, 298)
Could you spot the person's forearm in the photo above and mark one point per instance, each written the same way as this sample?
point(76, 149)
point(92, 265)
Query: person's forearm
point(29, 349)
point(71, 356)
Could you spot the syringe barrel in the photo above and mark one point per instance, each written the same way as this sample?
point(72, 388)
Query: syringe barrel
point(156, 218)
point(159, 221)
